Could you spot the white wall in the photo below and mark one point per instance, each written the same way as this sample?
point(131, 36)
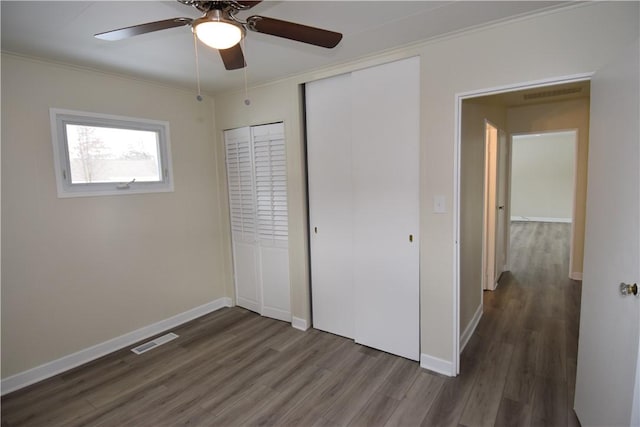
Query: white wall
point(557, 116)
point(576, 40)
point(472, 163)
point(77, 272)
point(542, 176)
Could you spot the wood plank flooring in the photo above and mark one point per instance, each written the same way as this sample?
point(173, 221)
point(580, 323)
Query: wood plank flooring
point(233, 367)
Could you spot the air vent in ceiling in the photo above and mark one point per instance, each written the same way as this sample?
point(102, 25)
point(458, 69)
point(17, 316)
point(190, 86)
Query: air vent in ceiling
point(550, 93)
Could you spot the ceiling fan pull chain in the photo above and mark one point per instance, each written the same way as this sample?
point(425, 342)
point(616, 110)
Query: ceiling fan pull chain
point(247, 101)
point(195, 47)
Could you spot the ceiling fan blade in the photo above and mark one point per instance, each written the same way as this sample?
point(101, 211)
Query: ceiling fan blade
point(233, 57)
point(149, 27)
point(293, 31)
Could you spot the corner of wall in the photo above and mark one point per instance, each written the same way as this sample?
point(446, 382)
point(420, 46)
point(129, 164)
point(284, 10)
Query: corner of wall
point(470, 328)
point(435, 364)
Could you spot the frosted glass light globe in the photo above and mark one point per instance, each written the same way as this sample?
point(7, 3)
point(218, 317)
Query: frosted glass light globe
point(218, 34)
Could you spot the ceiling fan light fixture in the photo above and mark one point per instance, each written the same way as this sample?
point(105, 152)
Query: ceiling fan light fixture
point(218, 32)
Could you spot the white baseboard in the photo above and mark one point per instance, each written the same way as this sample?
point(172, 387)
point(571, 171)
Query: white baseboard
point(55, 367)
point(540, 219)
point(299, 323)
point(438, 365)
point(471, 327)
point(575, 275)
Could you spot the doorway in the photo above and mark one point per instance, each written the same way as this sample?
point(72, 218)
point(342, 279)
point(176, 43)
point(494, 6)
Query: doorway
point(537, 108)
point(543, 179)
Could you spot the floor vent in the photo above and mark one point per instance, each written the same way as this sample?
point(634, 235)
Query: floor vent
point(142, 348)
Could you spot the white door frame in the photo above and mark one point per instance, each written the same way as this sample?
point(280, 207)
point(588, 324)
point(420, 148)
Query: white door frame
point(460, 97)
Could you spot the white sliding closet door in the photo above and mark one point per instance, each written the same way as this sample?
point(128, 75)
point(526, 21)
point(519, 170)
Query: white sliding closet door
point(330, 203)
point(363, 169)
point(386, 105)
point(256, 175)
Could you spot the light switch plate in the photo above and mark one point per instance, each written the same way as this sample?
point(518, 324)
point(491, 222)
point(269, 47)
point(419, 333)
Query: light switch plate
point(439, 205)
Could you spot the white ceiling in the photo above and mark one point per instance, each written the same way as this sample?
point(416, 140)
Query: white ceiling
point(63, 31)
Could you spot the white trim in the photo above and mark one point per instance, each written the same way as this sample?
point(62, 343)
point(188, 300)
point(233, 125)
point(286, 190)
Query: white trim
point(635, 408)
point(470, 329)
point(507, 261)
point(456, 237)
point(438, 365)
point(65, 363)
point(455, 365)
point(299, 323)
point(574, 202)
point(540, 219)
point(576, 275)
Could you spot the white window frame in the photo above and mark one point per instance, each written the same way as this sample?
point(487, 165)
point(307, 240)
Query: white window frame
point(61, 117)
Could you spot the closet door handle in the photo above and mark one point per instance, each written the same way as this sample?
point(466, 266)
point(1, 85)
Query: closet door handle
point(411, 237)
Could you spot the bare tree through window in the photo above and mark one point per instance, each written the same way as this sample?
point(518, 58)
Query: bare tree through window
point(89, 149)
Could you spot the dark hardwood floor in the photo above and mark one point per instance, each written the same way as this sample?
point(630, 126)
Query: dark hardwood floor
point(233, 367)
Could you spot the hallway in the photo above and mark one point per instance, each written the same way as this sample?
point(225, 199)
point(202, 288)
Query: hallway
point(522, 357)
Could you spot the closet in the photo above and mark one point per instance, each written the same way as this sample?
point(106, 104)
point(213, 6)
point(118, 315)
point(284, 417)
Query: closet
point(363, 180)
point(257, 187)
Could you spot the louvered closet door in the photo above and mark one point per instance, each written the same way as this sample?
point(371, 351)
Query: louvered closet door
point(239, 159)
point(385, 114)
point(328, 108)
point(272, 219)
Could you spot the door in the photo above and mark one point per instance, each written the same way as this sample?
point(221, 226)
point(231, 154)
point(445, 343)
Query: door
point(272, 226)
point(257, 184)
point(328, 108)
point(502, 220)
point(609, 321)
point(238, 154)
point(490, 206)
point(363, 169)
point(385, 109)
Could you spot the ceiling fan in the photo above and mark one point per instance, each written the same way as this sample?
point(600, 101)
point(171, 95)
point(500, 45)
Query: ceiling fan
point(221, 29)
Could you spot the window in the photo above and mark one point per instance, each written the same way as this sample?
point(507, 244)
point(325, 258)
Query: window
point(98, 154)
